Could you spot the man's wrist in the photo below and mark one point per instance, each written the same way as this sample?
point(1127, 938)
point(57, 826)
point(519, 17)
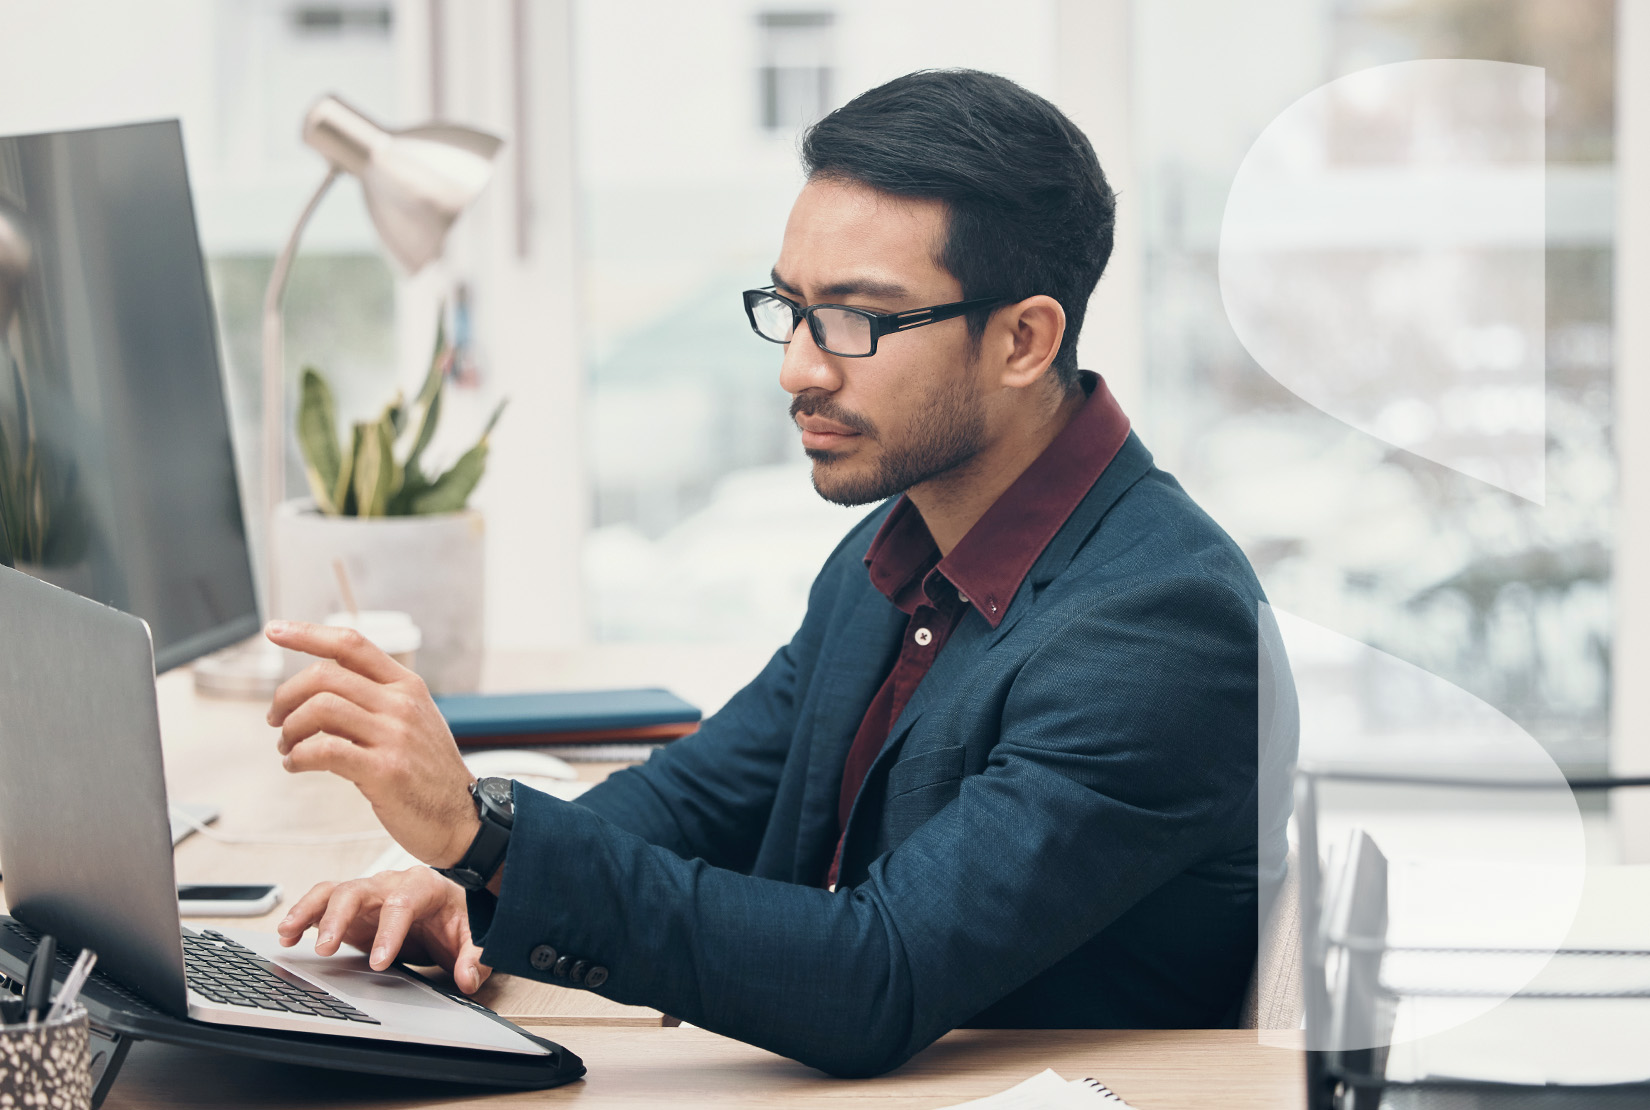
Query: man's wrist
point(469, 828)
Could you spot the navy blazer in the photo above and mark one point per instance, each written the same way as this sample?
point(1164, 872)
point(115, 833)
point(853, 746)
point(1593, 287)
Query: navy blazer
point(1059, 832)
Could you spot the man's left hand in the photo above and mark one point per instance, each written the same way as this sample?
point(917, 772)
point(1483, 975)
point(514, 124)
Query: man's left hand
point(360, 714)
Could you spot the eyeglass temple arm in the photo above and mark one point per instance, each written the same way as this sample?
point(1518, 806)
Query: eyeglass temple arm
point(917, 317)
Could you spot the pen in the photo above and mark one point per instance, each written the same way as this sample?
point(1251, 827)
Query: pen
point(37, 988)
point(78, 974)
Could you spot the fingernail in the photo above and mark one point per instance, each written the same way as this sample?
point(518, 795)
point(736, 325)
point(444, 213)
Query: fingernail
point(275, 628)
point(379, 955)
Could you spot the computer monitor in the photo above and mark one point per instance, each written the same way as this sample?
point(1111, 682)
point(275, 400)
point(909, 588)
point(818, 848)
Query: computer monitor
point(117, 472)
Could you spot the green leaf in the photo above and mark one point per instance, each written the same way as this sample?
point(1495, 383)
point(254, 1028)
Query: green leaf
point(392, 470)
point(432, 380)
point(396, 413)
point(374, 471)
point(413, 483)
point(451, 492)
point(347, 505)
point(318, 441)
point(492, 420)
point(429, 416)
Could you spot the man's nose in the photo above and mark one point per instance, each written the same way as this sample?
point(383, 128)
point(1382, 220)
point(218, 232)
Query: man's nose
point(805, 366)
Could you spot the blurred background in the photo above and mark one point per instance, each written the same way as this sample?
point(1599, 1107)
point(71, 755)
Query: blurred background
point(646, 483)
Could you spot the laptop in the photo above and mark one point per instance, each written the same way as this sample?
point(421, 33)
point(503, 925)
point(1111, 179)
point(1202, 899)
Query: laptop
point(87, 846)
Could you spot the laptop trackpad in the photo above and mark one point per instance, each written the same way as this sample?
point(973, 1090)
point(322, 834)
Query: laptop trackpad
point(371, 986)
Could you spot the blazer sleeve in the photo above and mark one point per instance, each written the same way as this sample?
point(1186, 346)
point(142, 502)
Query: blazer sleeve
point(1127, 754)
point(708, 794)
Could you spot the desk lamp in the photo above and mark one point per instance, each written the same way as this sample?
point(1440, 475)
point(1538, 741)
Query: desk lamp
point(416, 182)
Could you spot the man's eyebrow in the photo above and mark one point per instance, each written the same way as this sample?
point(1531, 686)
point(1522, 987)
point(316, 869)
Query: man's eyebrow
point(855, 287)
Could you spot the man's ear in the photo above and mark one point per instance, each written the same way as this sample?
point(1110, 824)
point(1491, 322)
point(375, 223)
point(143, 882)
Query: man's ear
point(1030, 331)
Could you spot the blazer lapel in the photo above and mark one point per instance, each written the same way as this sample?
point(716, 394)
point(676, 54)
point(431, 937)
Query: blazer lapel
point(1132, 463)
point(850, 671)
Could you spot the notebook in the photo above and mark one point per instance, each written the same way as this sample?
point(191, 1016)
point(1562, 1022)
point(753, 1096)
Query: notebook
point(567, 717)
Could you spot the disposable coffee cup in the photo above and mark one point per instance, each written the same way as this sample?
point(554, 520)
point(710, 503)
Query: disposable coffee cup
point(390, 629)
point(47, 1064)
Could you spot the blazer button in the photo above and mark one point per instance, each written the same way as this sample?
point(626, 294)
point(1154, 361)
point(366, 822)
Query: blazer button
point(542, 957)
point(560, 970)
point(595, 977)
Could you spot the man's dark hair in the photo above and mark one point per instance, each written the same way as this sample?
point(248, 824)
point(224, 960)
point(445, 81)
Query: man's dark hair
point(1029, 209)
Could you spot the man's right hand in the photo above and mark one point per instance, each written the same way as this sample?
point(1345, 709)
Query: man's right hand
point(415, 914)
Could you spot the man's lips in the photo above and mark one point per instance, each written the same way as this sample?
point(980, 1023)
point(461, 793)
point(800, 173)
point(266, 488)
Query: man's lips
point(818, 434)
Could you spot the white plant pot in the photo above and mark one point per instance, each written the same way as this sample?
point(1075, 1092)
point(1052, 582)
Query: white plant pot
point(430, 567)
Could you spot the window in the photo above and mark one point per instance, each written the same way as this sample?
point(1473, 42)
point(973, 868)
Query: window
point(795, 71)
point(1503, 595)
point(321, 20)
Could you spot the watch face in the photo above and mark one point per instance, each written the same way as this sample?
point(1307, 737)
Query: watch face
point(499, 791)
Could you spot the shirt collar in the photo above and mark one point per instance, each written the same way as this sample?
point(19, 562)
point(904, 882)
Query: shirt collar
point(992, 559)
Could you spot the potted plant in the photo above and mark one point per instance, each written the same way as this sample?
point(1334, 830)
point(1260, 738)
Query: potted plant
point(405, 538)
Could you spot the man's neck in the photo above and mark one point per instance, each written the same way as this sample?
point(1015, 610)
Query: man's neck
point(952, 503)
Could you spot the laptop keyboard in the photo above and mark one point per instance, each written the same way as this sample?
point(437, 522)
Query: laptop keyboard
point(224, 971)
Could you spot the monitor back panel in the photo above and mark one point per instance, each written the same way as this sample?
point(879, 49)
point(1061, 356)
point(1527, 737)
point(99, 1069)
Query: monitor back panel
point(110, 369)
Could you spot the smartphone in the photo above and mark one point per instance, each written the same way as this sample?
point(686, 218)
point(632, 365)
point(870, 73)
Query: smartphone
point(227, 899)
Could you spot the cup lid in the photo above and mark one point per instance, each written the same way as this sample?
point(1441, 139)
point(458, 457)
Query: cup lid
point(391, 629)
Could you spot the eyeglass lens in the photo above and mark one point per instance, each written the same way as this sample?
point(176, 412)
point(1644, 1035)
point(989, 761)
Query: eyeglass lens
point(845, 333)
point(837, 330)
point(774, 318)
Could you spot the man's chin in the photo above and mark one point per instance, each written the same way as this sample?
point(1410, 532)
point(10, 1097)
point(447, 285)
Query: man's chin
point(841, 484)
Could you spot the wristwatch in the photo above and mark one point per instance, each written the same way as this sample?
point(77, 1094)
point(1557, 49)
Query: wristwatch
point(495, 805)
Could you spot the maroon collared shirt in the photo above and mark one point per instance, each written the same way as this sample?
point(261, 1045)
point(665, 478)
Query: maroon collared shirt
point(983, 571)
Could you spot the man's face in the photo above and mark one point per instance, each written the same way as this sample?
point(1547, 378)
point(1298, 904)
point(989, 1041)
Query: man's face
point(880, 425)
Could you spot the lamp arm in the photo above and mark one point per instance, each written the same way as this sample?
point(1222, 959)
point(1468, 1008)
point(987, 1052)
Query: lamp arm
point(274, 387)
point(274, 359)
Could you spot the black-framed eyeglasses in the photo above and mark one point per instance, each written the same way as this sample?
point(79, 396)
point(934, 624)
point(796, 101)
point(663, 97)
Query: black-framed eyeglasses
point(841, 329)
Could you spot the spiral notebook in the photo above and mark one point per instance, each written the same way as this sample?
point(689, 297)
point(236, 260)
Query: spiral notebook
point(1047, 1091)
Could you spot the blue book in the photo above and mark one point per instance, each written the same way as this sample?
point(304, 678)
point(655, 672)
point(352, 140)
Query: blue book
point(567, 717)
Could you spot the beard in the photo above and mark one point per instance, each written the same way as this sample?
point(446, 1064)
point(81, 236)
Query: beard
point(949, 430)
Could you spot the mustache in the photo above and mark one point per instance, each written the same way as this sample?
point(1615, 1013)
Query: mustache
point(818, 404)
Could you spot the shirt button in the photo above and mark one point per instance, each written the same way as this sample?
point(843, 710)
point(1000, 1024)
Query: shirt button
point(962, 597)
point(542, 958)
point(560, 970)
point(595, 977)
point(576, 972)
point(924, 637)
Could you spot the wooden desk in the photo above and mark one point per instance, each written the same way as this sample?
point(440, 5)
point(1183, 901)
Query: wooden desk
point(637, 1068)
point(222, 752)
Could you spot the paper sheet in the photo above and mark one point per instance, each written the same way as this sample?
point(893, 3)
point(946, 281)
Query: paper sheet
point(1047, 1091)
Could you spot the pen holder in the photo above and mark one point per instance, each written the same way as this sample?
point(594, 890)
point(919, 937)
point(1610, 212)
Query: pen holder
point(46, 1065)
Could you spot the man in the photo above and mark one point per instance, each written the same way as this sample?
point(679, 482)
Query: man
point(1004, 774)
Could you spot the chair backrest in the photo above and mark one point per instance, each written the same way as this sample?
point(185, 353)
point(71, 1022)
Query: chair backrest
point(1274, 999)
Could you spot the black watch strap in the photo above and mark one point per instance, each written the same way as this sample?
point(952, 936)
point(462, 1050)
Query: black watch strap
point(485, 855)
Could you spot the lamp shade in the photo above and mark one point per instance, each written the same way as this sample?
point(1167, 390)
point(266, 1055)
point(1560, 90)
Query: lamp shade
point(416, 181)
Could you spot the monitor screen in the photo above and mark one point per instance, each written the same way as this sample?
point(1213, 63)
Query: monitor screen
point(117, 474)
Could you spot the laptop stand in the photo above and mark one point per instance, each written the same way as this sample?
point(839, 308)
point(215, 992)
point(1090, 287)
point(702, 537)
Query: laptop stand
point(118, 1018)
